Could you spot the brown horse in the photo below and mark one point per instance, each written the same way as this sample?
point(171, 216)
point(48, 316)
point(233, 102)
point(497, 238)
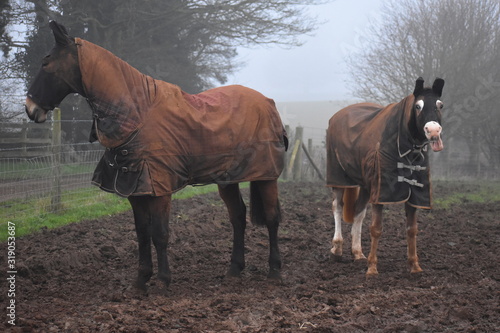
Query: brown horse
point(159, 139)
point(378, 155)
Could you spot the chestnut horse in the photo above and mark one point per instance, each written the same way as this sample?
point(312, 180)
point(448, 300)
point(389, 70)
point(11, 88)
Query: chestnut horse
point(160, 139)
point(378, 155)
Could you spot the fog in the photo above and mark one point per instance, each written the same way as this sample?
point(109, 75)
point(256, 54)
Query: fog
point(315, 71)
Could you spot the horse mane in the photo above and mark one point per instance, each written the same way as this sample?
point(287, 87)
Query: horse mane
point(407, 125)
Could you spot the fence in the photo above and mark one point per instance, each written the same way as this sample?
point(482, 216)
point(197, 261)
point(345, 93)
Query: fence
point(39, 173)
point(306, 157)
point(25, 139)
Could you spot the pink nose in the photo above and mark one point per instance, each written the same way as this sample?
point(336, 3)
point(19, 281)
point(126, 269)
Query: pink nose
point(433, 133)
point(432, 130)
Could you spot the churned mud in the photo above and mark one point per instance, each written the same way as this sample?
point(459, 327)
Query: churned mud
point(78, 278)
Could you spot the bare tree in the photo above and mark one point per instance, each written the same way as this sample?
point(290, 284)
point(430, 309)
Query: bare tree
point(457, 40)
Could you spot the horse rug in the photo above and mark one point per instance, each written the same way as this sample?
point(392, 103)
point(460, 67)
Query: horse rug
point(371, 146)
point(159, 139)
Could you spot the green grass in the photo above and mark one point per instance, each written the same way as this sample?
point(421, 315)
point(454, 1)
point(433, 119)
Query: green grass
point(467, 192)
point(33, 215)
point(84, 204)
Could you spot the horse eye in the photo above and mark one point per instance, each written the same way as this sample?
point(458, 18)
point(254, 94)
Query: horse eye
point(45, 61)
point(417, 107)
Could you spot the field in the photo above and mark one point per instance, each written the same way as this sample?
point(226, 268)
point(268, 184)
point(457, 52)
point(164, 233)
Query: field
point(78, 278)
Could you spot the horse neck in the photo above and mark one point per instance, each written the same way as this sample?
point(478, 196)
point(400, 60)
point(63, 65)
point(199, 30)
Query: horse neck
point(408, 133)
point(108, 80)
point(120, 96)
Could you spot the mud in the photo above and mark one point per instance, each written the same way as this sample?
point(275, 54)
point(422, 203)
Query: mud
point(78, 278)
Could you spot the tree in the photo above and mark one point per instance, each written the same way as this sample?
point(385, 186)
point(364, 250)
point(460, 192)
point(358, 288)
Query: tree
point(191, 43)
point(457, 40)
point(5, 39)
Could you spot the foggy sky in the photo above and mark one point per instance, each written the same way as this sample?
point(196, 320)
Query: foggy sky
point(315, 71)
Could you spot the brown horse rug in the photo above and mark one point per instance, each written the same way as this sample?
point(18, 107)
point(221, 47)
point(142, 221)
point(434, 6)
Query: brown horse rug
point(160, 139)
point(371, 145)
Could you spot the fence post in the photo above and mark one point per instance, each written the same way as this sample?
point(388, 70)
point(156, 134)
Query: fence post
point(310, 151)
point(290, 147)
point(297, 165)
point(24, 136)
point(56, 161)
point(312, 162)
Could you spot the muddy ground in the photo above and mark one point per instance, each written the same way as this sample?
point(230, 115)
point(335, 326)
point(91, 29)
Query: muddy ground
point(78, 278)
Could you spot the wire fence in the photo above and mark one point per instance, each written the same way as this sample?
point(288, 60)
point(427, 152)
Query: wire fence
point(40, 173)
point(43, 184)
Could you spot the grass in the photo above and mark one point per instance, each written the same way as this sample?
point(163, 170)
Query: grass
point(467, 191)
point(84, 204)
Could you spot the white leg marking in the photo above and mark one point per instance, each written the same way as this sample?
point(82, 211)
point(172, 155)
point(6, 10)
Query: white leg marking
point(337, 240)
point(357, 225)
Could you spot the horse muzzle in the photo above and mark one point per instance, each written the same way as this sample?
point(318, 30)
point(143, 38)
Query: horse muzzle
point(433, 134)
point(34, 111)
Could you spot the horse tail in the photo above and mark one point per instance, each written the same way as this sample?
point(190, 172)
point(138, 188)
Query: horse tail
point(256, 205)
point(285, 138)
point(349, 198)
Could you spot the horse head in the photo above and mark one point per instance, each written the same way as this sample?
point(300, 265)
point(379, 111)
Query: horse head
point(58, 77)
point(426, 113)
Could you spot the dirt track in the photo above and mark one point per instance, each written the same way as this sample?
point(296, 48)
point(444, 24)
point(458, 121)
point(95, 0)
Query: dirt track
point(78, 278)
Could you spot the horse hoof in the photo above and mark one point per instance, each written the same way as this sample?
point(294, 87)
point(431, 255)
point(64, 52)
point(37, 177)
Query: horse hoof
point(165, 278)
point(234, 270)
point(359, 257)
point(416, 269)
point(371, 272)
point(336, 251)
point(141, 287)
point(275, 275)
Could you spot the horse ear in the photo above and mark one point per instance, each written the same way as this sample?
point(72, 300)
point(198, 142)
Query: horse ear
point(419, 86)
point(60, 34)
point(437, 86)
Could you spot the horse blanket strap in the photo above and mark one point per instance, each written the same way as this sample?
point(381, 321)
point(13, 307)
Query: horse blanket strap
point(411, 167)
point(161, 139)
point(412, 182)
point(371, 146)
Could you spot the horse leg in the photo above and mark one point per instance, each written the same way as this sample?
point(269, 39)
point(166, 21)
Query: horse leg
point(337, 240)
point(160, 217)
point(357, 225)
point(375, 233)
point(151, 222)
point(411, 238)
point(265, 210)
point(236, 208)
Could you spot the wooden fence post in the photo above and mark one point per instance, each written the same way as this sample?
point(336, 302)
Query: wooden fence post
point(297, 165)
point(286, 170)
point(310, 152)
point(312, 162)
point(24, 136)
point(56, 161)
